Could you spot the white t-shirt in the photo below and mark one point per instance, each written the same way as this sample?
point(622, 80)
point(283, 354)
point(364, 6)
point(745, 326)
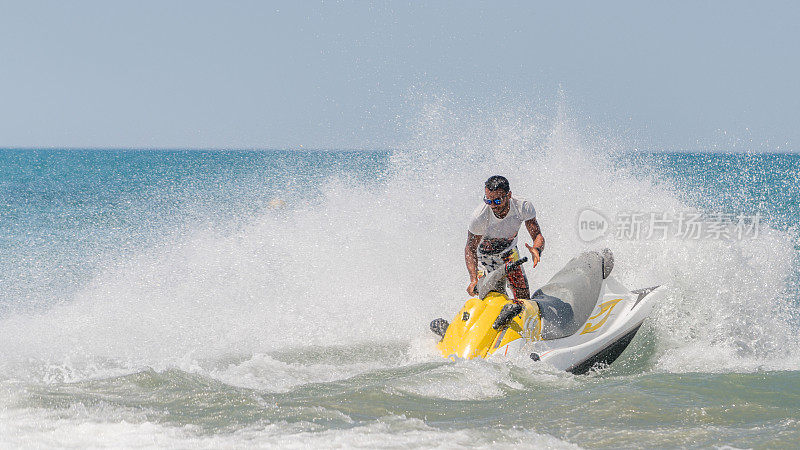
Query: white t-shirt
point(500, 234)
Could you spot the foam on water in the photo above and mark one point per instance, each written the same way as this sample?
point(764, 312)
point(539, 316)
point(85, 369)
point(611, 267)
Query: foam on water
point(83, 426)
point(374, 263)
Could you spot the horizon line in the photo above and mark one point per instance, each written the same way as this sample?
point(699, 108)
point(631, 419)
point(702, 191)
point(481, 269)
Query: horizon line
point(356, 150)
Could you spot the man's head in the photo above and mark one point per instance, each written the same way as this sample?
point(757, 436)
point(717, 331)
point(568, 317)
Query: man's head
point(496, 182)
point(497, 192)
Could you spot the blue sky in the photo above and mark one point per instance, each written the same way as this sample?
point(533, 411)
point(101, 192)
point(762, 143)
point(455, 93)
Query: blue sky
point(703, 75)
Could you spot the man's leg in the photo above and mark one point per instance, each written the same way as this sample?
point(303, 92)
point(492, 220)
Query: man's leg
point(516, 278)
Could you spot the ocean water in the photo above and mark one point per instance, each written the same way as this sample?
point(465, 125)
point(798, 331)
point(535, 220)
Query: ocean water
point(228, 299)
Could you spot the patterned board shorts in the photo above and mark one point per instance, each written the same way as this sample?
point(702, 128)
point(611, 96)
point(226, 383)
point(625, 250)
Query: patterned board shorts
point(516, 278)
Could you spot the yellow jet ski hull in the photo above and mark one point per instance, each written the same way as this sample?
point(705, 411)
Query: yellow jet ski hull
point(471, 335)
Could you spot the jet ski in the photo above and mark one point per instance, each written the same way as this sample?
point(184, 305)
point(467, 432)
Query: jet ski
point(581, 319)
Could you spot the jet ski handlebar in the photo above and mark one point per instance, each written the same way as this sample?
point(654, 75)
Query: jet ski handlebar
point(495, 280)
point(513, 265)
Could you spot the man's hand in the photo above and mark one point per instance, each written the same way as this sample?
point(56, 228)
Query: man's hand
point(538, 240)
point(534, 253)
point(471, 288)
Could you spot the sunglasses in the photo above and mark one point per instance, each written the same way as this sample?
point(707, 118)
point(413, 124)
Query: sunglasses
point(496, 201)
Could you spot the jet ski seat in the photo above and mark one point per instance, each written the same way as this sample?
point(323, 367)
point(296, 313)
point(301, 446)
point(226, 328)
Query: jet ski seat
point(569, 298)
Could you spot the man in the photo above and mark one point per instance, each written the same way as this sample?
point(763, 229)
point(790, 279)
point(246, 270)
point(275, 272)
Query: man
point(492, 236)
